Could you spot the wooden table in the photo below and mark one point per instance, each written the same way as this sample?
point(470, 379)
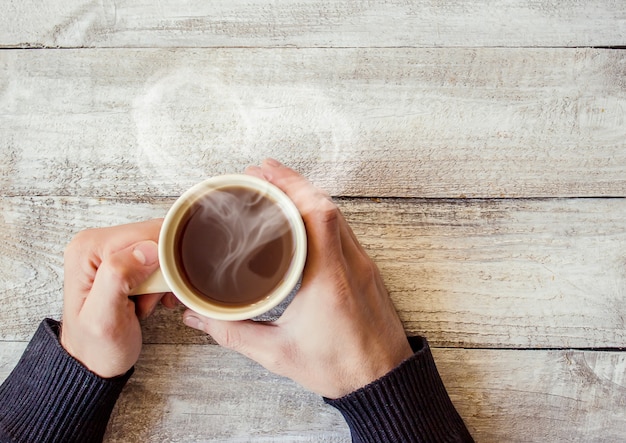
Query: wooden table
point(478, 149)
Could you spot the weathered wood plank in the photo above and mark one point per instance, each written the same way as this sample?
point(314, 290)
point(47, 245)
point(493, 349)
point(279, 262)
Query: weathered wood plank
point(473, 273)
point(538, 396)
point(380, 23)
point(206, 393)
point(393, 122)
point(509, 273)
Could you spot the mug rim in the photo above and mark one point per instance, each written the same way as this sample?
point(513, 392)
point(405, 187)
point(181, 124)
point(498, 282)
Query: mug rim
point(204, 306)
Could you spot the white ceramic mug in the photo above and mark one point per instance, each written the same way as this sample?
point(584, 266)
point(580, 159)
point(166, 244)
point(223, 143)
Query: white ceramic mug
point(169, 278)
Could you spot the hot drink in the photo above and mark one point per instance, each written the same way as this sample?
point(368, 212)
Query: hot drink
point(233, 246)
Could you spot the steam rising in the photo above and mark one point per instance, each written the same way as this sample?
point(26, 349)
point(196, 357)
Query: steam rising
point(227, 240)
point(198, 120)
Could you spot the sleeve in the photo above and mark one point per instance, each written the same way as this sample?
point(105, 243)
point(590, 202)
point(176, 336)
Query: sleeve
point(409, 404)
point(51, 397)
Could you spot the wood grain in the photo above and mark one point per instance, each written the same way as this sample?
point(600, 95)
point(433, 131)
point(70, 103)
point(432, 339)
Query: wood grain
point(384, 123)
point(474, 273)
point(399, 109)
point(537, 396)
point(312, 23)
point(207, 393)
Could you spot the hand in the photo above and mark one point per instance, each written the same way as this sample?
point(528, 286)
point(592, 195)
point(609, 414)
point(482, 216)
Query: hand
point(100, 325)
point(341, 331)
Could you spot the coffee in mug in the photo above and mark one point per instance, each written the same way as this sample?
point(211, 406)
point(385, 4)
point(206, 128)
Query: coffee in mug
point(232, 247)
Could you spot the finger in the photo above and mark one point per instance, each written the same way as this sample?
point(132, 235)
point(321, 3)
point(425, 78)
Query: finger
point(321, 216)
point(334, 246)
point(314, 201)
point(309, 199)
point(170, 301)
point(305, 196)
point(145, 304)
point(352, 248)
point(255, 171)
point(118, 274)
point(255, 340)
point(85, 253)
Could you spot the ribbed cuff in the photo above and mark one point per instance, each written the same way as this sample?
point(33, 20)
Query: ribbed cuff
point(51, 397)
point(409, 404)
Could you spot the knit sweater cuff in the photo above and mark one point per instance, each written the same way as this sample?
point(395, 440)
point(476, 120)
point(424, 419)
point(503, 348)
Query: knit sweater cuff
point(409, 404)
point(53, 397)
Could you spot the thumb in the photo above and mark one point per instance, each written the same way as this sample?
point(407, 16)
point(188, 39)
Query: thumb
point(255, 340)
point(120, 272)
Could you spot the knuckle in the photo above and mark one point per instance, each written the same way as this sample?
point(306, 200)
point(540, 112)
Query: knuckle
point(368, 269)
point(282, 359)
point(117, 272)
point(75, 244)
point(342, 288)
point(326, 211)
point(368, 272)
point(102, 330)
point(81, 242)
point(228, 338)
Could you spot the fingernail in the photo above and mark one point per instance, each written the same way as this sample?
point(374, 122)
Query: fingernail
point(273, 162)
point(193, 322)
point(147, 314)
point(169, 301)
point(254, 170)
point(268, 176)
point(146, 252)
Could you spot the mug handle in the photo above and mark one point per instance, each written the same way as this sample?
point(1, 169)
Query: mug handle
point(153, 285)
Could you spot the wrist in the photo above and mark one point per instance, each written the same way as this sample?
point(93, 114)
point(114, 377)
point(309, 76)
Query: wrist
point(94, 356)
point(48, 383)
point(374, 366)
point(396, 406)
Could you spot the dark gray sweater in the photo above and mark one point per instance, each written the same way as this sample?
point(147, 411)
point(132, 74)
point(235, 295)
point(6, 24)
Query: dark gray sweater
point(51, 397)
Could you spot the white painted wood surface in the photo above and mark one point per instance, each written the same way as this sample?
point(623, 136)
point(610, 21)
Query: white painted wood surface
point(382, 122)
point(488, 138)
point(504, 395)
point(312, 23)
point(466, 273)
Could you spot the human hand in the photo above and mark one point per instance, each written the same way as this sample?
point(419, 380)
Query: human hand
point(100, 326)
point(341, 331)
